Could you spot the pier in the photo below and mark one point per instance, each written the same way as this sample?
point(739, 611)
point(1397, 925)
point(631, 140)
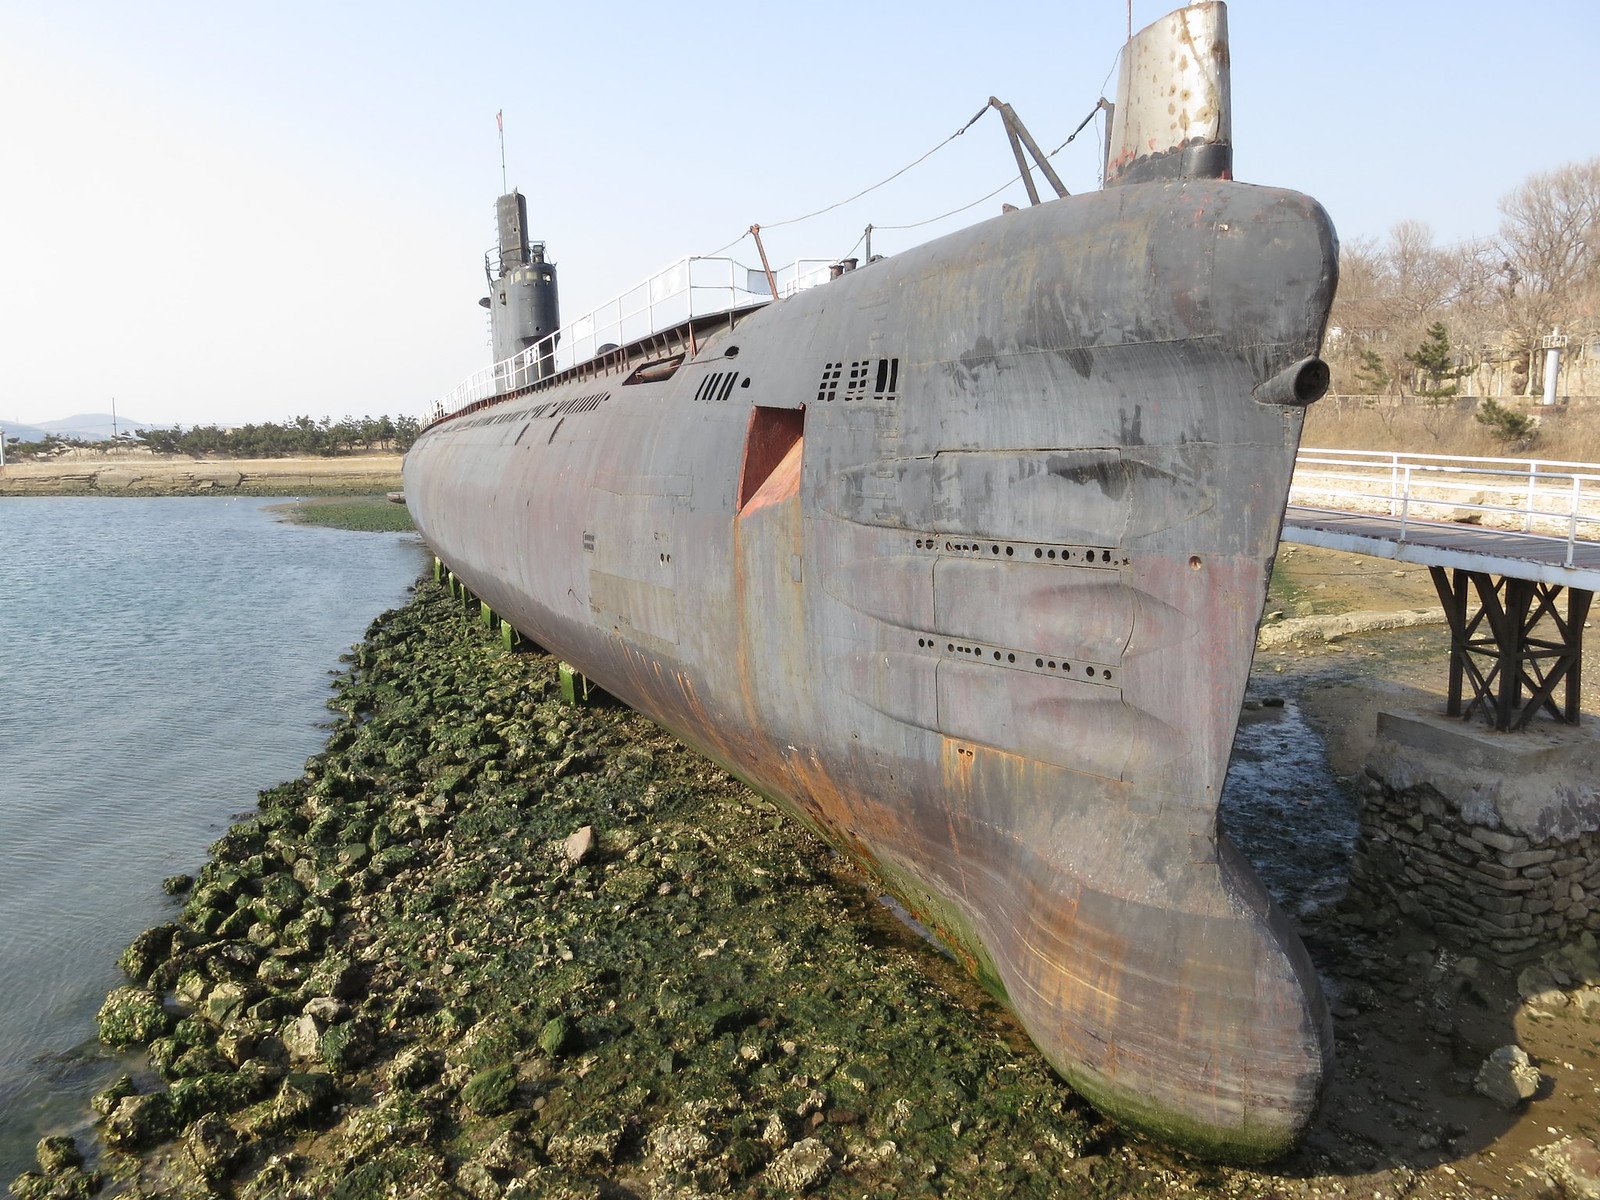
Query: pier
point(1515, 536)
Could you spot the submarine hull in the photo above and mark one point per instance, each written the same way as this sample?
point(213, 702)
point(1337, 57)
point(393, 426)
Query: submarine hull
point(961, 557)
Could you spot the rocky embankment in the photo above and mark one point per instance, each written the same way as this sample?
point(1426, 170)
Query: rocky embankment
point(492, 945)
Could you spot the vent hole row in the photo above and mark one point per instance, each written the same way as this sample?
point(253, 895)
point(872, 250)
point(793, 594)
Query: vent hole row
point(998, 549)
point(1048, 664)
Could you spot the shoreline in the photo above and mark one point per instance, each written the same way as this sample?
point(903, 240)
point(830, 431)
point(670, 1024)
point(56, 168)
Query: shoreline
point(417, 936)
point(151, 475)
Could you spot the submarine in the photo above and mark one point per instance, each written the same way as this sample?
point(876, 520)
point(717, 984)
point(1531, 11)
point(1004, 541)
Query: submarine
point(959, 556)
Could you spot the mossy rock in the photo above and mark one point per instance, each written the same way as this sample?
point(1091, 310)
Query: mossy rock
point(146, 952)
point(138, 1122)
point(414, 1067)
point(57, 1154)
point(555, 1036)
point(108, 1097)
point(132, 1016)
point(393, 860)
point(406, 1171)
point(490, 1092)
point(345, 1046)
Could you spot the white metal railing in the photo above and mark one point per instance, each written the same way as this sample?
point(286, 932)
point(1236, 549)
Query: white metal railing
point(690, 287)
point(1545, 498)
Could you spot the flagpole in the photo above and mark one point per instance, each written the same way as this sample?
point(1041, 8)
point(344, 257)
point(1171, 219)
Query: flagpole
point(499, 120)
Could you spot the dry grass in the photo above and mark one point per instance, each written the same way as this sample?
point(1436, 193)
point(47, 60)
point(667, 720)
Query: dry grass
point(1569, 432)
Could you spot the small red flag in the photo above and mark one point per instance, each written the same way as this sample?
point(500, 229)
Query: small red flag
point(498, 123)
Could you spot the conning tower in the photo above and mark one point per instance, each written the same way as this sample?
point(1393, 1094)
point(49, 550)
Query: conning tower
point(523, 304)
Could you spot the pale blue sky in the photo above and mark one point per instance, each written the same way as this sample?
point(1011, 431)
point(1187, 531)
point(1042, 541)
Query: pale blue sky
point(248, 211)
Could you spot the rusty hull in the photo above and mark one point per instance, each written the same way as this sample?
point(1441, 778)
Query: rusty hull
point(964, 566)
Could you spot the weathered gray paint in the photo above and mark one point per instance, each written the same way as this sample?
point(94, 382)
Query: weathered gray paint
point(989, 629)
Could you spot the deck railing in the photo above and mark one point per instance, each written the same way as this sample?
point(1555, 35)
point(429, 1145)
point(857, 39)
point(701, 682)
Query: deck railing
point(690, 287)
point(1539, 497)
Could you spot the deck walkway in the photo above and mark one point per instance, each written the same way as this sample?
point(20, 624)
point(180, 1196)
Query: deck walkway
point(1511, 553)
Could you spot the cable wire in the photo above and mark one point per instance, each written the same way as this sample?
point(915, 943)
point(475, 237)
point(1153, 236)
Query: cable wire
point(841, 203)
point(1093, 112)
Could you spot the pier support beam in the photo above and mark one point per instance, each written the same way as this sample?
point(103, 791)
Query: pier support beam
point(1516, 650)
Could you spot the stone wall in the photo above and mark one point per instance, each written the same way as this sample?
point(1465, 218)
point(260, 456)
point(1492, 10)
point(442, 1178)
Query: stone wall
point(1492, 839)
point(1499, 895)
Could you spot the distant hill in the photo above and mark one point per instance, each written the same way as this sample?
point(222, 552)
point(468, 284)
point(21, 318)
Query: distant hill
point(91, 427)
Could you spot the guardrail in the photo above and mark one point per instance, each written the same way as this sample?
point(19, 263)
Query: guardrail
point(1546, 498)
point(690, 287)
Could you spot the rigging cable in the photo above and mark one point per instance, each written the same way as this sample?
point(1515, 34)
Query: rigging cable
point(1093, 112)
point(839, 204)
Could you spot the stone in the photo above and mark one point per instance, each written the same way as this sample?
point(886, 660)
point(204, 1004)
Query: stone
point(677, 1149)
point(105, 1102)
point(177, 885)
point(1506, 843)
point(1574, 1164)
point(1507, 1077)
point(57, 1154)
point(555, 1034)
point(212, 1146)
point(301, 1098)
point(579, 845)
point(414, 1067)
point(303, 1038)
point(133, 1016)
point(325, 1009)
point(490, 1092)
point(226, 1001)
point(1526, 858)
point(139, 1121)
point(1500, 904)
point(146, 951)
point(801, 1167)
point(1536, 983)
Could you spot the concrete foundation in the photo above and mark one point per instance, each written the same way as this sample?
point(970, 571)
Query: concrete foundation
point(1493, 839)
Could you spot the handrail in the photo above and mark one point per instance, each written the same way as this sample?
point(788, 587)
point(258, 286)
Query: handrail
point(1547, 501)
point(694, 286)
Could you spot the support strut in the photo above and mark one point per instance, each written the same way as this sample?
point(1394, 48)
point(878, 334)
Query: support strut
point(1516, 649)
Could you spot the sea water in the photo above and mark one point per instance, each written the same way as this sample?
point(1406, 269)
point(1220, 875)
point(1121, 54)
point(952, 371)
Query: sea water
point(161, 661)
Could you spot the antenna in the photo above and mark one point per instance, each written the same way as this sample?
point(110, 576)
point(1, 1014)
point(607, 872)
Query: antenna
point(500, 124)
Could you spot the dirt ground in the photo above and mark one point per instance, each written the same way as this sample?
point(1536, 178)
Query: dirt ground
point(81, 474)
point(1413, 1019)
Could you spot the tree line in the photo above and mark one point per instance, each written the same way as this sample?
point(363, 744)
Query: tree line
point(300, 437)
point(1415, 318)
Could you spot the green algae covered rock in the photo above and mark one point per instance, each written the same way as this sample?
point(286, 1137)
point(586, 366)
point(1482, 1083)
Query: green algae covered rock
point(445, 1004)
point(146, 952)
point(140, 1121)
point(132, 1016)
point(489, 1092)
point(555, 1035)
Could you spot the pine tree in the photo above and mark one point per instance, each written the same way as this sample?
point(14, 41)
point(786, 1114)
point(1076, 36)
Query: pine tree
point(1434, 359)
point(1507, 424)
point(1370, 375)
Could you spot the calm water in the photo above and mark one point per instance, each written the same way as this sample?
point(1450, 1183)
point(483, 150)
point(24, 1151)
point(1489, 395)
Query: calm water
point(161, 660)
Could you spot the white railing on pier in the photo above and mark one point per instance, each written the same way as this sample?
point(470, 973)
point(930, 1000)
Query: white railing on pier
point(690, 287)
point(1539, 497)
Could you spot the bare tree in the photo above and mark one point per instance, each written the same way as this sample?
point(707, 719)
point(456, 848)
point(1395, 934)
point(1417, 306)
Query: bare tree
point(1550, 242)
